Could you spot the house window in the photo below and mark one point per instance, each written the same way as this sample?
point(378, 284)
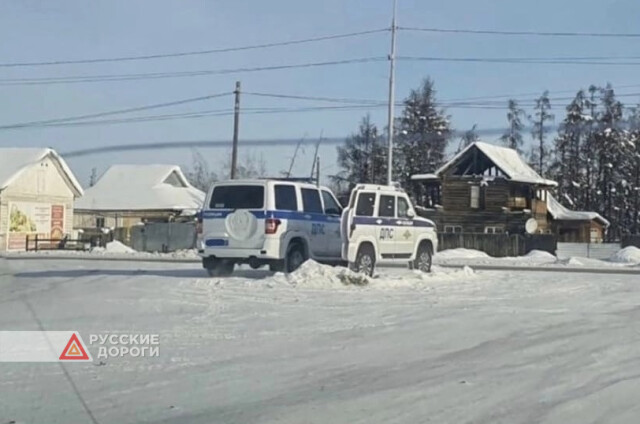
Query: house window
point(475, 197)
point(595, 236)
point(452, 229)
point(100, 222)
point(494, 229)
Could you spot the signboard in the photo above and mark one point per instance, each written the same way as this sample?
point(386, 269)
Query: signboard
point(31, 219)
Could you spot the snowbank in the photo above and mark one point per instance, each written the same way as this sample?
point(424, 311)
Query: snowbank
point(628, 255)
point(113, 247)
point(314, 275)
point(461, 253)
point(540, 255)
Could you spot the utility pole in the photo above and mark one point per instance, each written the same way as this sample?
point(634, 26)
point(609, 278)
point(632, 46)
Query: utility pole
point(392, 71)
point(236, 126)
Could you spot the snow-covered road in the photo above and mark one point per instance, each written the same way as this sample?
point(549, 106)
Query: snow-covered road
point(455, 346)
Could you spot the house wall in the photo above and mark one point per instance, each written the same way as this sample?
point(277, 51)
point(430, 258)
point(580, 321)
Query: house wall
point(41, 183)
point(578, 231)
point(502, 204)
point(120, 219)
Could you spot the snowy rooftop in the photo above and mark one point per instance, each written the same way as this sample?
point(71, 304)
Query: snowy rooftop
point(15, 160)
point(509, 162)
point(560, 212)
point(142, 187)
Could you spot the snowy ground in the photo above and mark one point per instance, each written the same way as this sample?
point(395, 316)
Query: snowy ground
point(455, 346)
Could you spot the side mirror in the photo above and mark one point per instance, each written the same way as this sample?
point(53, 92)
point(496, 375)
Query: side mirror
point(411, 213)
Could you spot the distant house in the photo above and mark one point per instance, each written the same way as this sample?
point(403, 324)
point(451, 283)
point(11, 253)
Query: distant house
point(490, 189)
point(575, 226)
point(127, 195)
point(37, 193)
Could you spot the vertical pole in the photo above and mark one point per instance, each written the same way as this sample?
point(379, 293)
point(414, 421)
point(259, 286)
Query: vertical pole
point(392, 59)
point(236, 125)
point(318, 171)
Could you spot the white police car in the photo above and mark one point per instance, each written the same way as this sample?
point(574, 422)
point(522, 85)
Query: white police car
point(268, 222)
point(380, 226)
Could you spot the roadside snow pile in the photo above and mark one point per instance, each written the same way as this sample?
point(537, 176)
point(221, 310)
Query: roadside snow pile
point(628, 255)
point(540, 255)
point(311, 274)
point(113, 247)
point(461, 253)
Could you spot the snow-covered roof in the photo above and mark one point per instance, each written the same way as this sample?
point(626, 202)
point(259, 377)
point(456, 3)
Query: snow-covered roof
point(508, 160)
point(141, 187)
point(419, 177)
point(15, 160)
point(558, 211)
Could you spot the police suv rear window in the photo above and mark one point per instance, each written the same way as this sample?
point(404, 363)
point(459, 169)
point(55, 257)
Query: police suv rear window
point(286, 199)
point(237, 197)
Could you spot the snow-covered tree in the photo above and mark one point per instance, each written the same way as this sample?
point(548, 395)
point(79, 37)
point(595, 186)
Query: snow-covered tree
point(199, 174)
point(512, 138)
point(541, 117)
point(468, 137)
point(363, 157)
point(423, 134)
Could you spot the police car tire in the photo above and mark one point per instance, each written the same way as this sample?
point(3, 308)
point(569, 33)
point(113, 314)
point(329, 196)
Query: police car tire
point(365, 250)
point(294, 248)
point(424, 248)
point(221, 268)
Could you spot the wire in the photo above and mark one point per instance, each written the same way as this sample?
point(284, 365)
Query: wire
point(113, 112)
point(194, 53)
point(526, 33)
point(324, 99)
point(158, 75)
point(527, 61)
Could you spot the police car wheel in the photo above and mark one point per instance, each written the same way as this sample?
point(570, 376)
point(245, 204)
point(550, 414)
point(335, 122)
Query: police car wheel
point(295, 257)
point(423, 259)
point(365, 261)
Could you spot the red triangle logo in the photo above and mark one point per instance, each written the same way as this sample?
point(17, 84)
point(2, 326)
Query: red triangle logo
point(74, 351)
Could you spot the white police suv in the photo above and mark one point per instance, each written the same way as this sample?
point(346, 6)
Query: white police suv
point(268, 222)
point(380, 226)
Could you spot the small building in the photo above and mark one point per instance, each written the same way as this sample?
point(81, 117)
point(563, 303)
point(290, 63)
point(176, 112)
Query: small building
point(575, 226)
point(485, 189)
point(37, 193)
point(127, 195)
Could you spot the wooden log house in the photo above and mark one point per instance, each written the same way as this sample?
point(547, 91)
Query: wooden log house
point(490, 189)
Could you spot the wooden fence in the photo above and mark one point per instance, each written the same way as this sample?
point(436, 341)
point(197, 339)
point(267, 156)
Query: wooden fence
point(498, 245)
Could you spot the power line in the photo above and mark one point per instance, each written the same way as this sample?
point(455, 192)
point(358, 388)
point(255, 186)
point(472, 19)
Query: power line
point(194, 53)
point(179, 74)
point(113, 112)
point(317, 98)
point(523, 61)
point(524, 33)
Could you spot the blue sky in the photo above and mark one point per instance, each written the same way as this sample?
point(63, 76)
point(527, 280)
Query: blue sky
point(44, 30)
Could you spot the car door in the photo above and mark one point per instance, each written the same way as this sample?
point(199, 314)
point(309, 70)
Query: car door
point(332, 212)
point(405, 230)
point(386, 226)
point(313, 220)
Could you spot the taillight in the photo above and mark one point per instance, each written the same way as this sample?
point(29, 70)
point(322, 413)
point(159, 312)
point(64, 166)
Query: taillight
point(199, 223)
point(271, 225)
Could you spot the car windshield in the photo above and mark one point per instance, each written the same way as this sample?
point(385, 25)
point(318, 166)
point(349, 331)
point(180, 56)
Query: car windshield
point(237, 197)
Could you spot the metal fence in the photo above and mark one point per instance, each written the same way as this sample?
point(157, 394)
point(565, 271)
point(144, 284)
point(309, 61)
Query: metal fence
point(587, 250)
point(498, 245)
point(631, 240)
point(163, 237)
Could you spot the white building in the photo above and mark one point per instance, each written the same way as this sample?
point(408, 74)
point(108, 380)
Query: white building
point(37, 193)
point(127, 195)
